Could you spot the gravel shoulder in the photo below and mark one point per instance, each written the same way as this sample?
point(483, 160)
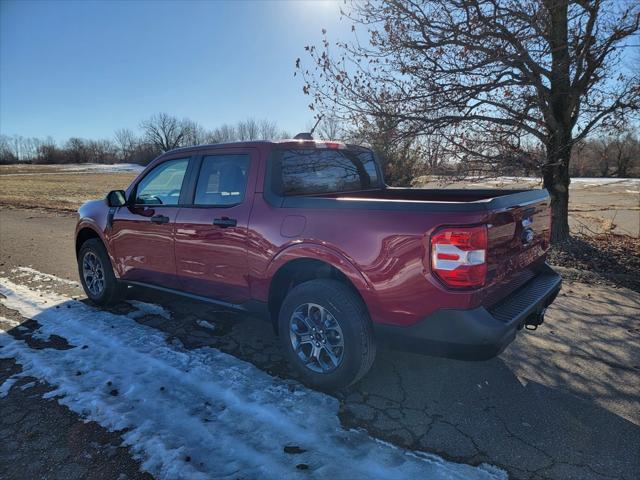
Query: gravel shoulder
point(561, 402)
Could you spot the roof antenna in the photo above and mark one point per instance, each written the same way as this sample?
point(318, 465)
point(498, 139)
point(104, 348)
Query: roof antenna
point(309, 135)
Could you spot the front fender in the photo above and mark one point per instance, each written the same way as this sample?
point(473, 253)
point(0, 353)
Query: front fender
point(93, 216)
point(91, 224)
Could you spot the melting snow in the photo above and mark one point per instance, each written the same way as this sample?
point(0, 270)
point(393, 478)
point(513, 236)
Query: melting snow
point(205, 324)
point(82, 168)
point(6, 386)
point(37, 276)
point(199, 414)
point(144, 308)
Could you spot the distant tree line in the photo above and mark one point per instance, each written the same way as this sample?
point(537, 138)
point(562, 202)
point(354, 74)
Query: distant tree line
point(159, 133)
point(613, 153)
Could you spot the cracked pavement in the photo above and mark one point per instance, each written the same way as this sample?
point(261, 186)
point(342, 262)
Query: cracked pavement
point(560, 403)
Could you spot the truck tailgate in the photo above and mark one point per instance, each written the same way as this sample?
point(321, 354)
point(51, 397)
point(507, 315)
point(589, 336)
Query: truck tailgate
point(518, 238)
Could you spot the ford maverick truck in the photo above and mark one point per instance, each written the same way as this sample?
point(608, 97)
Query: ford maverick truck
point(307, 235)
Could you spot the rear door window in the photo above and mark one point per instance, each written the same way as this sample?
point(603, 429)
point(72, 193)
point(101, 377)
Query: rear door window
point(222, 180)
point(315, 171)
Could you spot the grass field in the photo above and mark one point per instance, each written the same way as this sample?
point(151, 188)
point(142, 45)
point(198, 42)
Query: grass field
point(48, 186)
point(597, 206)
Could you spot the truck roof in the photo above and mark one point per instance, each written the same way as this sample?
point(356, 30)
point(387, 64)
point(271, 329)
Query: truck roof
point(288, 142)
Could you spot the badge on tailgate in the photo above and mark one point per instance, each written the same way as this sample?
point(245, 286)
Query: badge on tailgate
point(527, 231)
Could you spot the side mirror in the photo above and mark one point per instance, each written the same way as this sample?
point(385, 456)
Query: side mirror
point(116, 198)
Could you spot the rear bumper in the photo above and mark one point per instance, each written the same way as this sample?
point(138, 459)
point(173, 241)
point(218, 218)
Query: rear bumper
point(480, 333)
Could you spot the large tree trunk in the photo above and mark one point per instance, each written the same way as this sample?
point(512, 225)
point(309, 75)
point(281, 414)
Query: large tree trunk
point(559, 142)
point(556, 180)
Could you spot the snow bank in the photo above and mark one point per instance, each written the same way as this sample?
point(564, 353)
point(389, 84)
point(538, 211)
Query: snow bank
point(81, 168)
point(575, 181)
point(581, 182)
point(98, 167)
point(199, 414)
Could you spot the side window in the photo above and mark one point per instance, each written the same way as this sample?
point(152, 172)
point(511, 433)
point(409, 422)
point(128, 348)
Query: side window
point(162, 185)
point(222, 180)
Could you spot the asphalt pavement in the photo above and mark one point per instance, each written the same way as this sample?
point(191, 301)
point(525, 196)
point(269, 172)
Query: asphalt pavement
point(562, 402)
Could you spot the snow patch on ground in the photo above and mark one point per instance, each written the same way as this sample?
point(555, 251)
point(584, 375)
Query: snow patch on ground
point(99, 167)
point(579, 182)
point(11, 323)
point(144, 308)
point(200, 414)
point(205, 324)
point(630, 182)
point(35, 275)
point(576, 181)
point(6, 385)
point(77, 168)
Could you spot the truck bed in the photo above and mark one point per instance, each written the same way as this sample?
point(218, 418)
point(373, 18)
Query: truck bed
point(421, 199)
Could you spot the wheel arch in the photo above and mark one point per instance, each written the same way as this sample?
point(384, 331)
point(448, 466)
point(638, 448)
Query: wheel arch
point(300, 265)
point(86, 233)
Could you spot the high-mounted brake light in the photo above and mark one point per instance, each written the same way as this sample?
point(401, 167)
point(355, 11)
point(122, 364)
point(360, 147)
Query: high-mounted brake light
point(331, 145)
point(459, 256)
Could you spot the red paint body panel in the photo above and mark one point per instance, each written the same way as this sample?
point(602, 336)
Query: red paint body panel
point(212, 261)
point(385, 254)
point(144, 251)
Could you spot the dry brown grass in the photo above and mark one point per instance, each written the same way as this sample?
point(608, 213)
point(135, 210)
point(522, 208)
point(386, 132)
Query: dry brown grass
point(59, 191)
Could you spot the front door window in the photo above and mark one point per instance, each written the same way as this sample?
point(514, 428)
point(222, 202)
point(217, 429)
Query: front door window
point(162, 185)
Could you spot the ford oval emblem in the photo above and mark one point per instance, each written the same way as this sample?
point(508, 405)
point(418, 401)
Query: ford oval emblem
point(527, 236)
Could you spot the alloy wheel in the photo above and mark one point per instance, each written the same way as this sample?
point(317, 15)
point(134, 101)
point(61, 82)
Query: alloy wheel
point(316, 338)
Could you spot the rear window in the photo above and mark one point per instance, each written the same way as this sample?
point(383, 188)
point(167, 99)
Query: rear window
point(314, 171)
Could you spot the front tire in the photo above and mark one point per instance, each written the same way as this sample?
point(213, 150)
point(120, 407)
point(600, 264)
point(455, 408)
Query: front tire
point(96, 274)
point(326, 334)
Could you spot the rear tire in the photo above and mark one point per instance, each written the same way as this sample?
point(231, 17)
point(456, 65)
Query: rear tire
point(96, 274)
point(327, 318)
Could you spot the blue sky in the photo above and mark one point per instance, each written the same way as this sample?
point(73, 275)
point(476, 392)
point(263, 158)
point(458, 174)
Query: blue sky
point(87, 68)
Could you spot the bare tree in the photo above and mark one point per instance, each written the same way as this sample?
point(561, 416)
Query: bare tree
point(195, 134)
point(6, 152)
point(331, 128)
point(549, 70)
point(614, 153)
point(165, 131)
point(248, 129)
point(268, 130)
point(127, 142)
point(625, 151)
point(398, 156)
point(17, 148)
point(223, 133)
point(434, 151)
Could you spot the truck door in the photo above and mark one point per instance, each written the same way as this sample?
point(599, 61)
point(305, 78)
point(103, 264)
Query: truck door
point(142, 232)
point(211, 230)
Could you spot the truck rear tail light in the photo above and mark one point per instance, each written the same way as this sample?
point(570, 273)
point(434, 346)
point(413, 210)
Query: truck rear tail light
point(458, 256)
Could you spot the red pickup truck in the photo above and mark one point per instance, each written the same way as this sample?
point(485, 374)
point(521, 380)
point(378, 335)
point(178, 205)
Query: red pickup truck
point(308, 235)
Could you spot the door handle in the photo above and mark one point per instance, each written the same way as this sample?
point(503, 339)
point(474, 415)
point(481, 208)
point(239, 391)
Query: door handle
point(225, 222)
point(159, 219)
